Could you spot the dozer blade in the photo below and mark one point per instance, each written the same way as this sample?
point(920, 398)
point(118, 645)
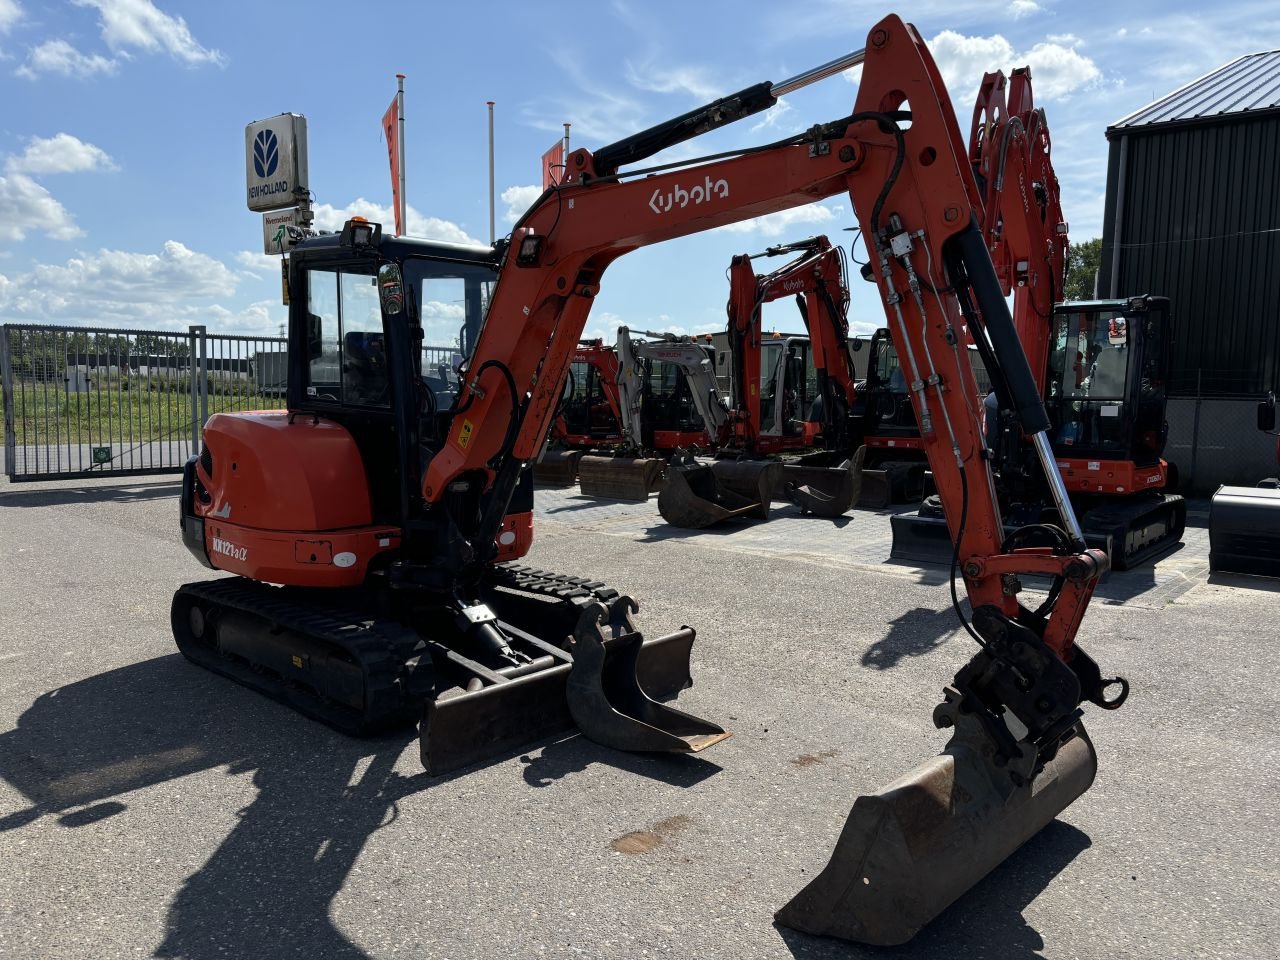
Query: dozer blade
point(1244, 531)
point(471, 727)
point(909, 851)
point(824, 491)
point(608, 703)
point(698, 495)
point(620, 478)
point(557, 468)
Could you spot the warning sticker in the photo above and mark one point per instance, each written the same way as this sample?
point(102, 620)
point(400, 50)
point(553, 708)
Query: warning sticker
point(464, 436)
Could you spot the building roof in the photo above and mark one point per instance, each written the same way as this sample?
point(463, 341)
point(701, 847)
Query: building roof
point(1248, 84)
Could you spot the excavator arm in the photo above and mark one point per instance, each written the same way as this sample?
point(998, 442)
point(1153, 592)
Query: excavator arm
point(1019, 753)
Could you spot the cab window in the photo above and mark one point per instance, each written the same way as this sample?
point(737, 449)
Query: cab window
point(346, 341)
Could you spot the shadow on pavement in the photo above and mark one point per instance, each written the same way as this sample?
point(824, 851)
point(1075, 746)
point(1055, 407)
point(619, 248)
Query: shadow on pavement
point(131, 493)
point(913, 634)
point(987, 922)
point(267, 891)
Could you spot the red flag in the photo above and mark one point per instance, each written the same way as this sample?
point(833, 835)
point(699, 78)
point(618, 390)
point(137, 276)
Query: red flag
point(391, 127)
point(553, 165)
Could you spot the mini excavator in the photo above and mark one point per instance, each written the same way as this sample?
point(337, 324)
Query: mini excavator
point(743, 479)
point(589, 416)
point(375, 536)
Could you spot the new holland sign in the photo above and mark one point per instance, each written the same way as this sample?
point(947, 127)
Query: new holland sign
point(275, 155)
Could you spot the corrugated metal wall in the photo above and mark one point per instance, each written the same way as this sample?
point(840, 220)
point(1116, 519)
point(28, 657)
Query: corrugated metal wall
point(1200, 223)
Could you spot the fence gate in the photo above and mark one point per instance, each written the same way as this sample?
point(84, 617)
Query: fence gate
point(96, 401)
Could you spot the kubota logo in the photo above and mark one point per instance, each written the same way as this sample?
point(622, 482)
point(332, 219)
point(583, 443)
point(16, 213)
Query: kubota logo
point(229, 549)
point(266, 153)
point(680, 197)
point(792, 284)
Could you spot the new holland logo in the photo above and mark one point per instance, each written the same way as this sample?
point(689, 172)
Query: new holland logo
point(229, 549)
point(681, 197)
point(266, 153)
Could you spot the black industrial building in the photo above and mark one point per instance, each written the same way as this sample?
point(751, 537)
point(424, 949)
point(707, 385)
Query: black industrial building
point(1193, 213)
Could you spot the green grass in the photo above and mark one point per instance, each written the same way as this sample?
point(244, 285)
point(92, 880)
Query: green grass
point(138, 410)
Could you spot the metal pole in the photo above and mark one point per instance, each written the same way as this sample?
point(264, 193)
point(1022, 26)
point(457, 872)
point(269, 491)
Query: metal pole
point(492, 235)
point(6, 376)
point(404, 218)
point(194, 355)
point(566, 148)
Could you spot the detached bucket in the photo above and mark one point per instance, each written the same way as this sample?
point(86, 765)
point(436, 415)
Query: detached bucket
point(824, 490)
point(620, 478)
point(606, 699)
point(698, 495)
point(894, 481)
point(557, 468)
point(517, 708)
point(909, 851)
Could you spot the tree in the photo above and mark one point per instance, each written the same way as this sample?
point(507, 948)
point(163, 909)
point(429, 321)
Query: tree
point(1083, 261)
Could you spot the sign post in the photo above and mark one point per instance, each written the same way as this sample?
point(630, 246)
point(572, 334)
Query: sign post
point(276, 178)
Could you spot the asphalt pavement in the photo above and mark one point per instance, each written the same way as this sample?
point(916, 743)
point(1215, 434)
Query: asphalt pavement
point(148, 808)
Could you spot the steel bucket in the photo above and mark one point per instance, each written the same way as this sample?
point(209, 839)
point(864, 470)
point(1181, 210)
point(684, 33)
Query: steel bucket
point(620, 478)
point(557, 468)
point(699, 494)
point(824, 489)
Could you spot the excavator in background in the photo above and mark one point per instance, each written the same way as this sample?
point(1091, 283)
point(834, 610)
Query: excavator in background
point(589, 416)
point(374, 535)
point(781, 418)
point(894, 468)
point(668, 401)
point(1101, 366)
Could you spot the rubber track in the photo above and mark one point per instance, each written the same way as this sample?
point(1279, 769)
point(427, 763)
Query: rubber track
point(380, 649)
point(1117, 519)
point(575, 590)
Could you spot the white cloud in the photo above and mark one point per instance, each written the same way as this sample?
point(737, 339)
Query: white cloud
point(769, 119)
point(169, 290)
point(61, 153)
point(329, 217)
point(1057, 68)
point(26, 207)
point(10, 13)
point(776, 224)
point(689, 80)
point(139, 24)
point(58, 56)
point(518, 200)
point(1024, 8)
point(257, 262)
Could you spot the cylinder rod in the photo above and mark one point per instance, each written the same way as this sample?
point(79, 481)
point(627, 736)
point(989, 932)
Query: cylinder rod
point(1061, 499)
point(838, 65)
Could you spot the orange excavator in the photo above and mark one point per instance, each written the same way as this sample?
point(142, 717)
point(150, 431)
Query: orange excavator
point(374, 536)
point(588, 417)
point(1100, 365)
point(743, 480)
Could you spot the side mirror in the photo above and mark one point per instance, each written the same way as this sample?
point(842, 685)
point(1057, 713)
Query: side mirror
point(315, 329)
point(1267, 414)
point(390, 289)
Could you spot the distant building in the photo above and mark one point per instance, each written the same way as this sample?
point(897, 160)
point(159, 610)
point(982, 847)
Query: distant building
point(1193, 213)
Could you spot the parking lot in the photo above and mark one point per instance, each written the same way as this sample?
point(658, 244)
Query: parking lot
point(148, 808)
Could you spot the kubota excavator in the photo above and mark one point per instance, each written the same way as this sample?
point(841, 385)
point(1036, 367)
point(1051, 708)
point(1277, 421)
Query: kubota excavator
point(373, 533)
point(668, 401)
point(1101, 365)
point(589, 416)
point(743, 480)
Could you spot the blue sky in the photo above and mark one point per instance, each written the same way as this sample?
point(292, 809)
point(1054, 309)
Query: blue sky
point(121, 135)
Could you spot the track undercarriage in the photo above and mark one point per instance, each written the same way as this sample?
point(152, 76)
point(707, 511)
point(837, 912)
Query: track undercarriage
point(365, 662)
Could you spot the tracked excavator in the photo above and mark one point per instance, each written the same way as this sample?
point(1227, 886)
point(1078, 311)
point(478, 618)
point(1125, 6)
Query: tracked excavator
point(589, 417)
point(374, 536)
point(745, 476)
point(668, 401)
point(1101, 366)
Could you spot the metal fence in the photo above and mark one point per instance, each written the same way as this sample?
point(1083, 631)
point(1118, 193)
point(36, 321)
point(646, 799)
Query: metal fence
point(94, 401)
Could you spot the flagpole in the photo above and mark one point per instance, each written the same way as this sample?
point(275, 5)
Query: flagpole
point(566, 153)
point(492, 235)
point(404, 219)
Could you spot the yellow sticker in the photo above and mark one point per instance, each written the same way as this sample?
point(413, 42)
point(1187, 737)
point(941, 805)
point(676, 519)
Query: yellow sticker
point(297, 661)
point(464, 436)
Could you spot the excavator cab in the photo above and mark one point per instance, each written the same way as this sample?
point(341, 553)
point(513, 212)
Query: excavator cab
point(895, 461)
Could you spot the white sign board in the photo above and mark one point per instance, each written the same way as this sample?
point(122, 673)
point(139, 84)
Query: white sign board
point(280, 231)
point(275, 161)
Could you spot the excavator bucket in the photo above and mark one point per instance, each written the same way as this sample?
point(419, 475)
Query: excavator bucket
point(893, 481)
point(609, 685)
point(910, 850)
point(699, 494)
point(557, 468)
point(821, 487)
point(620, 478)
